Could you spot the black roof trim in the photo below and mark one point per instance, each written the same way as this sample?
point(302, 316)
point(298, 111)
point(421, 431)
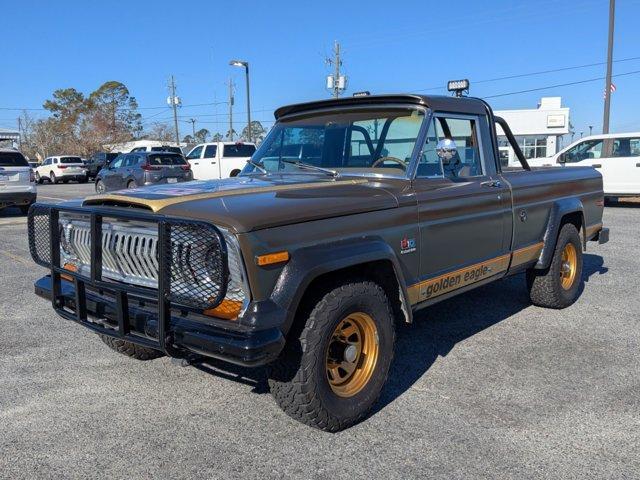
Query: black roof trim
point(435, 102)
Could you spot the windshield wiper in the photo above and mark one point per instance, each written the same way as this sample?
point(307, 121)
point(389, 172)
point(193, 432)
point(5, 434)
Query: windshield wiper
point(309, 166)
point(257, 166)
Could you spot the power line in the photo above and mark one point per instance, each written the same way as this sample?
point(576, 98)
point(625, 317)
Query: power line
point(531, 74)
point(560, 85)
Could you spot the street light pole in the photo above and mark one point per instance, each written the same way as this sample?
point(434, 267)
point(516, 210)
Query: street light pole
point(607, 87)
point(241, 63)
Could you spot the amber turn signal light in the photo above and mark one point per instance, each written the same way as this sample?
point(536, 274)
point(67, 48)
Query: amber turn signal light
point(272, 258)
point(72, 268)
point(228, 309)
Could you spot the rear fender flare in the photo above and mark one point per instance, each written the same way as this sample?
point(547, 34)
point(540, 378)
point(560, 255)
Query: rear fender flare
point(309, 263)
point(558, 211)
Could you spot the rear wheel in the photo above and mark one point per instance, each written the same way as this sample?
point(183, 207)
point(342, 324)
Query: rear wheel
point(131, 184)
point(131, 349)
point(234, 173)
point(100, 187)
point(331, 375)
point(559, 285)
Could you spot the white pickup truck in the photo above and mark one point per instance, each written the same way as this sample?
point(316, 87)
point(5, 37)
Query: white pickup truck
point(615, 155)
point(219, 159)
point(17, 182)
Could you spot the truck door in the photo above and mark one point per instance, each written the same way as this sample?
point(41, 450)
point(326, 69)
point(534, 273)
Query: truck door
point(464, 209)
point(621, 171)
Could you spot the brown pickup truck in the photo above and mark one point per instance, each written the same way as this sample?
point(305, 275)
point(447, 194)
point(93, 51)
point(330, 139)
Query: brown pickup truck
point(353, 214)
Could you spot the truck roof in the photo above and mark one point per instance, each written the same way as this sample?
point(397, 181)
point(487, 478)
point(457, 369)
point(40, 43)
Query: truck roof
point(436, 102)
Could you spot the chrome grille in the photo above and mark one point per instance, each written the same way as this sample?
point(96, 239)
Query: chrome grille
point(193, 255)
point(129, 251)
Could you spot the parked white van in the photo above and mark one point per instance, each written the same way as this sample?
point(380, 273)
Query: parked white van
point(219, 159)
point(615, 155)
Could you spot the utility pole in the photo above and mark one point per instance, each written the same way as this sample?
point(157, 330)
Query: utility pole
point(193, 126)
point(174, 104)
point(607, 88)
point(230, 108)
point(336, 82)
point(20, 133)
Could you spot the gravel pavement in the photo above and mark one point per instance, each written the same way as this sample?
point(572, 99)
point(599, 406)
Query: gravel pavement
point(484, 386)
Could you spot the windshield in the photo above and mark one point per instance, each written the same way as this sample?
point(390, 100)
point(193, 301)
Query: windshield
point(70, 160)
point(368, 141)
point(12, 159)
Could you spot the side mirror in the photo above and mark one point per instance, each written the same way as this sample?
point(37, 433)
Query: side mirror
point(446, 149)
point(562, 159)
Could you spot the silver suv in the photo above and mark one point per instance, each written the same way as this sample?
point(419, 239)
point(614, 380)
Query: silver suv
point(17, 181)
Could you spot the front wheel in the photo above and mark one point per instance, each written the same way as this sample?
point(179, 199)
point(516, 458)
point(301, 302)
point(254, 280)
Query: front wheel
point(331, 375)
point(38, 178)
point(100, 187)
point(559, 285)
point(52, 178)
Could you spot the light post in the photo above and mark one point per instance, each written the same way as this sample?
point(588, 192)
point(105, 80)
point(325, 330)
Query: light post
point(241, 63)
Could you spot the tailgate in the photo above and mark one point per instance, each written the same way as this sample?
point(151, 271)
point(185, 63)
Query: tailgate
point(14, 175)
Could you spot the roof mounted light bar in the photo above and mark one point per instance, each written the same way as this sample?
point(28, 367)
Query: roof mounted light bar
point(459, 87)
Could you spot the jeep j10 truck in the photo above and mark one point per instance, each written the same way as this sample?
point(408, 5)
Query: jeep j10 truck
point(352, 214)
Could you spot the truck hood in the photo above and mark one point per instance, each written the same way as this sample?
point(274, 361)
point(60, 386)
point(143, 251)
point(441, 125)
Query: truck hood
point(256, 202)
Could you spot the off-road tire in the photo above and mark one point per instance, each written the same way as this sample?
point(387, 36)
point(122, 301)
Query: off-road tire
point(130, 349)
point(298, 379)
point(545, 286)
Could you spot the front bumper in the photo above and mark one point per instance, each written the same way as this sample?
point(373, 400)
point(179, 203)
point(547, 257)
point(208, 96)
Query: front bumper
point(135, 318)
point(8, 199)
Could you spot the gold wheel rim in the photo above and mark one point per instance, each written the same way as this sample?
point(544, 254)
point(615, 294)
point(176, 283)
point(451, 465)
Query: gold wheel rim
point(568, 266)
point(352, 354)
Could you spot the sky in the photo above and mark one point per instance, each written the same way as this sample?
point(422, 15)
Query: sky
point(399, 46)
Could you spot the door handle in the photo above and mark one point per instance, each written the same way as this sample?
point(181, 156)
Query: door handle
point(492, 183)
point(638, 165)
point(596, 165)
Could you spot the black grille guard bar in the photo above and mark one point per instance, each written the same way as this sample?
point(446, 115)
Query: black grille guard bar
point(121, 291)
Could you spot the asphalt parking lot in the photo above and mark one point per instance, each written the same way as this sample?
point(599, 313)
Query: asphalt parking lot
point(483, 385)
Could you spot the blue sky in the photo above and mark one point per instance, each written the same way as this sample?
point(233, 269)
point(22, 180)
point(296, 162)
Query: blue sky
point(401, 46)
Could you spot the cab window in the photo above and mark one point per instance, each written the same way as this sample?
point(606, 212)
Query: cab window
point(587, 150)
point(466, 159)
point(195, 153)
point(210, 151)
point(626, 147)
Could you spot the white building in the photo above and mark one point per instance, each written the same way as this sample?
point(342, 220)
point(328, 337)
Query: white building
point(538, 131)
point(126, 147)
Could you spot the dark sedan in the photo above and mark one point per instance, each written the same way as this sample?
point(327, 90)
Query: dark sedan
point(132, 170)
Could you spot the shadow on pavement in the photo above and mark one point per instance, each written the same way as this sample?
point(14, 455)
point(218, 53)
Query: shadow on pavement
point(435, 332)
